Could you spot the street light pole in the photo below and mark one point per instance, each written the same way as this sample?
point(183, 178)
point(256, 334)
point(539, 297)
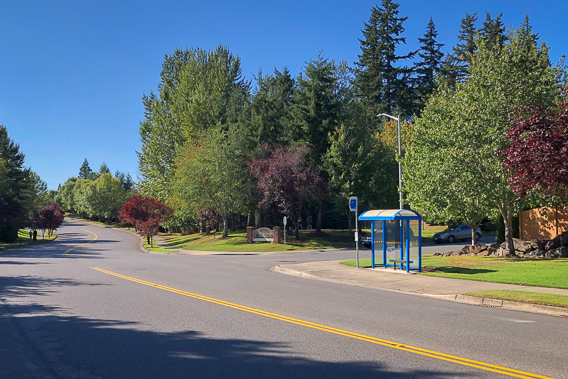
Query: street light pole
point(5, 180)
point(400, 155)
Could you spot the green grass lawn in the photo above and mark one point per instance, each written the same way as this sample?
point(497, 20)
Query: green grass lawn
point(524, 297)
point(24, 240)
point(530, 272)
point(238, 242)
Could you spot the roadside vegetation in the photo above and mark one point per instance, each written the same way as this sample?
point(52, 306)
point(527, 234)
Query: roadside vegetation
point(24, 240)
point(238, 242)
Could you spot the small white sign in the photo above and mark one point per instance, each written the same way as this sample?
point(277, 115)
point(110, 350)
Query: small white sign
point(285, 220)
point(356, 236)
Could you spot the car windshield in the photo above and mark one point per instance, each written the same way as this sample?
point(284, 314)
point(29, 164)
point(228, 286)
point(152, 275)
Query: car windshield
point(451, 228)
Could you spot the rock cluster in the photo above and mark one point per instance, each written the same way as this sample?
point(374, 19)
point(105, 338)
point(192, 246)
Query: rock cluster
point(554, 248)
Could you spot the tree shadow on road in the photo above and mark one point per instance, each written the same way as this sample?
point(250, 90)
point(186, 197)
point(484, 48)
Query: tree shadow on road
point(51, 341)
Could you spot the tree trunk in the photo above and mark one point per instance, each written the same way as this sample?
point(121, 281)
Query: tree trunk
point(297, 232)
point(506, 210)
point(320, 216)
point(225, 226)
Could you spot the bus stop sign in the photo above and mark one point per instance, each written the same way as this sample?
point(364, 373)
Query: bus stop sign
point(353, 203)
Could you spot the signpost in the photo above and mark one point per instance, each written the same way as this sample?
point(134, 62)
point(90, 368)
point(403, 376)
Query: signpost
point(353, 208)
point(284, 222)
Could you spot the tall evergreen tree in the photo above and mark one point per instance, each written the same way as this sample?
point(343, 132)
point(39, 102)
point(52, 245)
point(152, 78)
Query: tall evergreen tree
point(455, 67)
point(270, 113)
point(316, 109)
point(493, 30)
point(85, 171)
point(428, 66)
point(381, 84)
point(316, 112)
point(12, 167)
point(104, 169)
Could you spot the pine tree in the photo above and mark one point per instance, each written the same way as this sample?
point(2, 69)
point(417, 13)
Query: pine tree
point(270, 109)
point(316, 112)
point(429, 65)
point(456, 64)
point(316, 108)
point(493, 30)
point(382, 86)
point(85, 171)
point(104, 169)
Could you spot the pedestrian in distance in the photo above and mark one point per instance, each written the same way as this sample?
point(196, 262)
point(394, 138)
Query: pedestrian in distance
point(31, 234)
point(309, 219)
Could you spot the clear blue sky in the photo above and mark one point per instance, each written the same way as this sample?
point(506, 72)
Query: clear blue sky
point(72, 73)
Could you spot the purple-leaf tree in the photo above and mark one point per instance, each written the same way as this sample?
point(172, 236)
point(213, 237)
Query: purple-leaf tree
point(286, 179)
point(538, 156)
point(50, 218)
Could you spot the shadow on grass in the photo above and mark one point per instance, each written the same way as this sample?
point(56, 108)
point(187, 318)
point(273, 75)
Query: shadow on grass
point(50, 341)
point(461, 270)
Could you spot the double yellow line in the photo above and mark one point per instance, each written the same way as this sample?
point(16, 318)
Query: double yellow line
point(362, 337)
point(73, 248)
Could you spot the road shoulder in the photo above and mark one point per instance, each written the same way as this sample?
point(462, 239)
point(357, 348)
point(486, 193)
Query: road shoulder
point(434, 287)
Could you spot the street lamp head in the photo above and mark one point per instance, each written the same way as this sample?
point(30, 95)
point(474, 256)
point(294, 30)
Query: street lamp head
point(388, 115)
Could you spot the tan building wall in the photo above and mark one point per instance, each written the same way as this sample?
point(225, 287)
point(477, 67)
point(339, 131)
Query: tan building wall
point(543, 223)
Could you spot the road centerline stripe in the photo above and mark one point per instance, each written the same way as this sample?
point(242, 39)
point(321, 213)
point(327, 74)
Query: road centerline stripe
point(395, 345)
point(73, 248)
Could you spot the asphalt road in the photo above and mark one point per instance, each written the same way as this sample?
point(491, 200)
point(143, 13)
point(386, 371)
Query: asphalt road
point(107, 310)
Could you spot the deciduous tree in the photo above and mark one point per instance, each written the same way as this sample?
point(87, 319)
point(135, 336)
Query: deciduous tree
point(537, 159)
point(145, 213)
point(286, 179)
point(453, 163)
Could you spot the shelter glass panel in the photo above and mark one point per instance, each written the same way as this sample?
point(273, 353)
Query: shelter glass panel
point(378, 243)
point(414, 246)
point(393, 239)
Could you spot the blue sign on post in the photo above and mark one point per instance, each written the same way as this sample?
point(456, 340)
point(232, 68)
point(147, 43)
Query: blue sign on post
point(353, 203)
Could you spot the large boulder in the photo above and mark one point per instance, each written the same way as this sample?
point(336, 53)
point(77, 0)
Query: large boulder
point(554, 243)
point(538, 244)
point(564, 239)
point(473, 249)
point(502, 252)
point(519, 245)
point(522, 246)
point(539, 253)
point(492, 249)
point(559, 252)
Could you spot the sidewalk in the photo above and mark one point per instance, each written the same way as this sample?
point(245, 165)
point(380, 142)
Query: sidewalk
point(399, 281)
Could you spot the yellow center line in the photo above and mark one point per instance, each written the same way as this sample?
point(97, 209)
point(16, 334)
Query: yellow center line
point(73, 248)
point(362, 337)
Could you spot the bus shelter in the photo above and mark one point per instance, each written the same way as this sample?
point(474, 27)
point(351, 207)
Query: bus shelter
point(396, 236)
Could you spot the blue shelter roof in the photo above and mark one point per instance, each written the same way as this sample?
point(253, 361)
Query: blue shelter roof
point(390, 214)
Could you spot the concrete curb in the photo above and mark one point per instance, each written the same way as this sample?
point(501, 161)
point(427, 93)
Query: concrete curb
point(464, 299)
point(288, 271)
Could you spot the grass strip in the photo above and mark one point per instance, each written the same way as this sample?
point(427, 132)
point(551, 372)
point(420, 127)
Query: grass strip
point(24, 240)
point(552, 273)
point(237, 242)
point(524, 297)
point(155, 248)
